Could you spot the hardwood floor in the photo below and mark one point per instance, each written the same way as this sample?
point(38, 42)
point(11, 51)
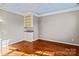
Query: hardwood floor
point(59, 49)
point(42, 48)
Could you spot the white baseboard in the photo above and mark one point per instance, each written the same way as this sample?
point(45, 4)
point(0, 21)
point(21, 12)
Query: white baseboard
point(47, 40)
point(15, 42)
point(60, 42)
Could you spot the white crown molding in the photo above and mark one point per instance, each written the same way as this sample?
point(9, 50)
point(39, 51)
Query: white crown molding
point(45, 14)
point(18, 13)
point(61, 11)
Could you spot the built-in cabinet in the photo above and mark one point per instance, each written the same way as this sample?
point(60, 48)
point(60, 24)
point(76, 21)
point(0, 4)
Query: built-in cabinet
point(28, 21)
point(30, 27)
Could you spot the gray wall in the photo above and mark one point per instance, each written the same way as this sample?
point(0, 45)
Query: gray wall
point(62, 27)
point(12, 28)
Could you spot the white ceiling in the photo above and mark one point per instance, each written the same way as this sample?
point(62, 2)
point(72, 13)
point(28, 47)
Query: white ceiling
point(37, 8)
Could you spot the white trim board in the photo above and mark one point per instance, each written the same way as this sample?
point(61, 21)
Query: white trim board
point(15, 41)
point(44, 14)
point(18, 41)
point(47, 40)
point(61, 11)
point(59, 41)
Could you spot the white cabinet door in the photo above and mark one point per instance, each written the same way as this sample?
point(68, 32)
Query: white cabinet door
point(28, 36)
